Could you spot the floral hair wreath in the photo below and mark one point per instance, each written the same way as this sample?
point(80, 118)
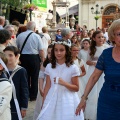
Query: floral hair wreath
point(61, 43)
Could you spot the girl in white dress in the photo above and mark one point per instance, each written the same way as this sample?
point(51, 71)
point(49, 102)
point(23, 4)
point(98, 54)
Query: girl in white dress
point(96, 48)
point(83, 53)
point(60, 98)
point(42, 81)
point(80, 64)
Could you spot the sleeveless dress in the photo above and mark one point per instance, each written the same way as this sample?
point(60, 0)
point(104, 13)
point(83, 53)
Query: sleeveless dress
point(109, 98)
point(91, 106)
point(60, 103)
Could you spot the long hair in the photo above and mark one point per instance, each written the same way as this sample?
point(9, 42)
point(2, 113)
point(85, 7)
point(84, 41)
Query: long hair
point(74, 45)
point(77, 43)
point(93, 44)
point(82, 36)
point(68, 56)
point(47, 60)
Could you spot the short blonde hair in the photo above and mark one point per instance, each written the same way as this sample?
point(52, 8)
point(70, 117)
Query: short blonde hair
point(114, 26)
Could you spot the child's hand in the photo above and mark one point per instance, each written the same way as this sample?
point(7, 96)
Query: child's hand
point(59, 81)
point(23, 113)
point(41, 92)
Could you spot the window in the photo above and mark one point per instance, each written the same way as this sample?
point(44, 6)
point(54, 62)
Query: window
point(109, 10)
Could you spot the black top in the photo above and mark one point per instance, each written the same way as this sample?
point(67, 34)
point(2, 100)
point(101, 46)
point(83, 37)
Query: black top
point(21, 86)
point(3, 77)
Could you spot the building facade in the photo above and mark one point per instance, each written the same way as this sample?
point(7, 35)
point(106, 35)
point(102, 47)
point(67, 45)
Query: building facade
point(109, 14)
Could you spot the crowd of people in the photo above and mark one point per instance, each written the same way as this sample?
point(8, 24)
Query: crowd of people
point(76, 76)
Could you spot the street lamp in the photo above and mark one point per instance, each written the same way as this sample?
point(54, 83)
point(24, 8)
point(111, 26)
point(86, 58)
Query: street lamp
point(97, 12)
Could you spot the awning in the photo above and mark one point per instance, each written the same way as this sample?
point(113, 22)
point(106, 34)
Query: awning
point(72, 10)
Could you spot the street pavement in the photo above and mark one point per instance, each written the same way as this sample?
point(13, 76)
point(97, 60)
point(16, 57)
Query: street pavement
point(30, 111)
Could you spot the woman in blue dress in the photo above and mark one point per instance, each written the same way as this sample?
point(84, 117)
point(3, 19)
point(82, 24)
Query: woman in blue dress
point(109, 63)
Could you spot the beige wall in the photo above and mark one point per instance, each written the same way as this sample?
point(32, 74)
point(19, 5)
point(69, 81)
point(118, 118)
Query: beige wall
point(86, 17)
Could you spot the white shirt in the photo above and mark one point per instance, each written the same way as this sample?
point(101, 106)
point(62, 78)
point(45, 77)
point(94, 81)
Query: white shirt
point(1, 27)
point(45, 39)
point(106, 35)
point(33, 45)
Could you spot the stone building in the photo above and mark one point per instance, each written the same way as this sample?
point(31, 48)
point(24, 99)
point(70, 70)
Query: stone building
point(109, 14)
point(82, 8)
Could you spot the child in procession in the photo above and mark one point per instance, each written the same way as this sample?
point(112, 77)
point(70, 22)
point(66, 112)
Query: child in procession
point(80, 63)
point(19, 78)
point(42, 81)
point(62, 82)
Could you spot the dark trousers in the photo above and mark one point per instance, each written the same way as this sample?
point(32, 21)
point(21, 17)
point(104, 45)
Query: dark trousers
point(14, 116)
point(32, 64)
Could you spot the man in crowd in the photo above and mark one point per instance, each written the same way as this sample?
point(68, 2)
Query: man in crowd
point(30, 56)
point(5, 37)
point(11, 29)
point(66, 35)
point(45, 39)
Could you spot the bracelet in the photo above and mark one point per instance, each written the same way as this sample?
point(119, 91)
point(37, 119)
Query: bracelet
point(85, 98)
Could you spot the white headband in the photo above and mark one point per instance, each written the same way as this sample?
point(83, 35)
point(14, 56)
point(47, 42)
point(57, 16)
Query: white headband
point(62, 43)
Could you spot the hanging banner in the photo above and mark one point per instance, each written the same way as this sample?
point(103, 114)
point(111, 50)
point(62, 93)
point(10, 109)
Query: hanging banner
point(42, 4)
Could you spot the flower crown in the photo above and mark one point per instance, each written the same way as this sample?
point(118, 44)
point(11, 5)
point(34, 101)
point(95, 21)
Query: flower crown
point(62, 43)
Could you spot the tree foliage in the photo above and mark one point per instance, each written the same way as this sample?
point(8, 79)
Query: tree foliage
point(15, 3)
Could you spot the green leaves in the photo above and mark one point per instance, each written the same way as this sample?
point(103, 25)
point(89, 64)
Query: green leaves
point(96, 17)
point(15, 3)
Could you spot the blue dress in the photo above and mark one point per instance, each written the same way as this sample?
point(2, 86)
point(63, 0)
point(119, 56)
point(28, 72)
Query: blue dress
point(109, 97)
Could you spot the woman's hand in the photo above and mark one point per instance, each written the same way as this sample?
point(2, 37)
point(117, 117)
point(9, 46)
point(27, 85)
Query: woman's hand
point(81, 106)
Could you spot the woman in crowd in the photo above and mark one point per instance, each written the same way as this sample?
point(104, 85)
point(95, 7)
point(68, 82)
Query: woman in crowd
point(75, 41)
point(80, 64)
point(84, 35)
point(109, 63)
point(11, 29)
point(21, 29)
point(60, 97)
point(58, 35)
point(96, 48)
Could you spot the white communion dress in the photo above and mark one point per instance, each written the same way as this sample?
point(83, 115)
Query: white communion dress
point(91, 106)
point(82, 84)
point(60, 102)
point(39, 97)
point(83, 54)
